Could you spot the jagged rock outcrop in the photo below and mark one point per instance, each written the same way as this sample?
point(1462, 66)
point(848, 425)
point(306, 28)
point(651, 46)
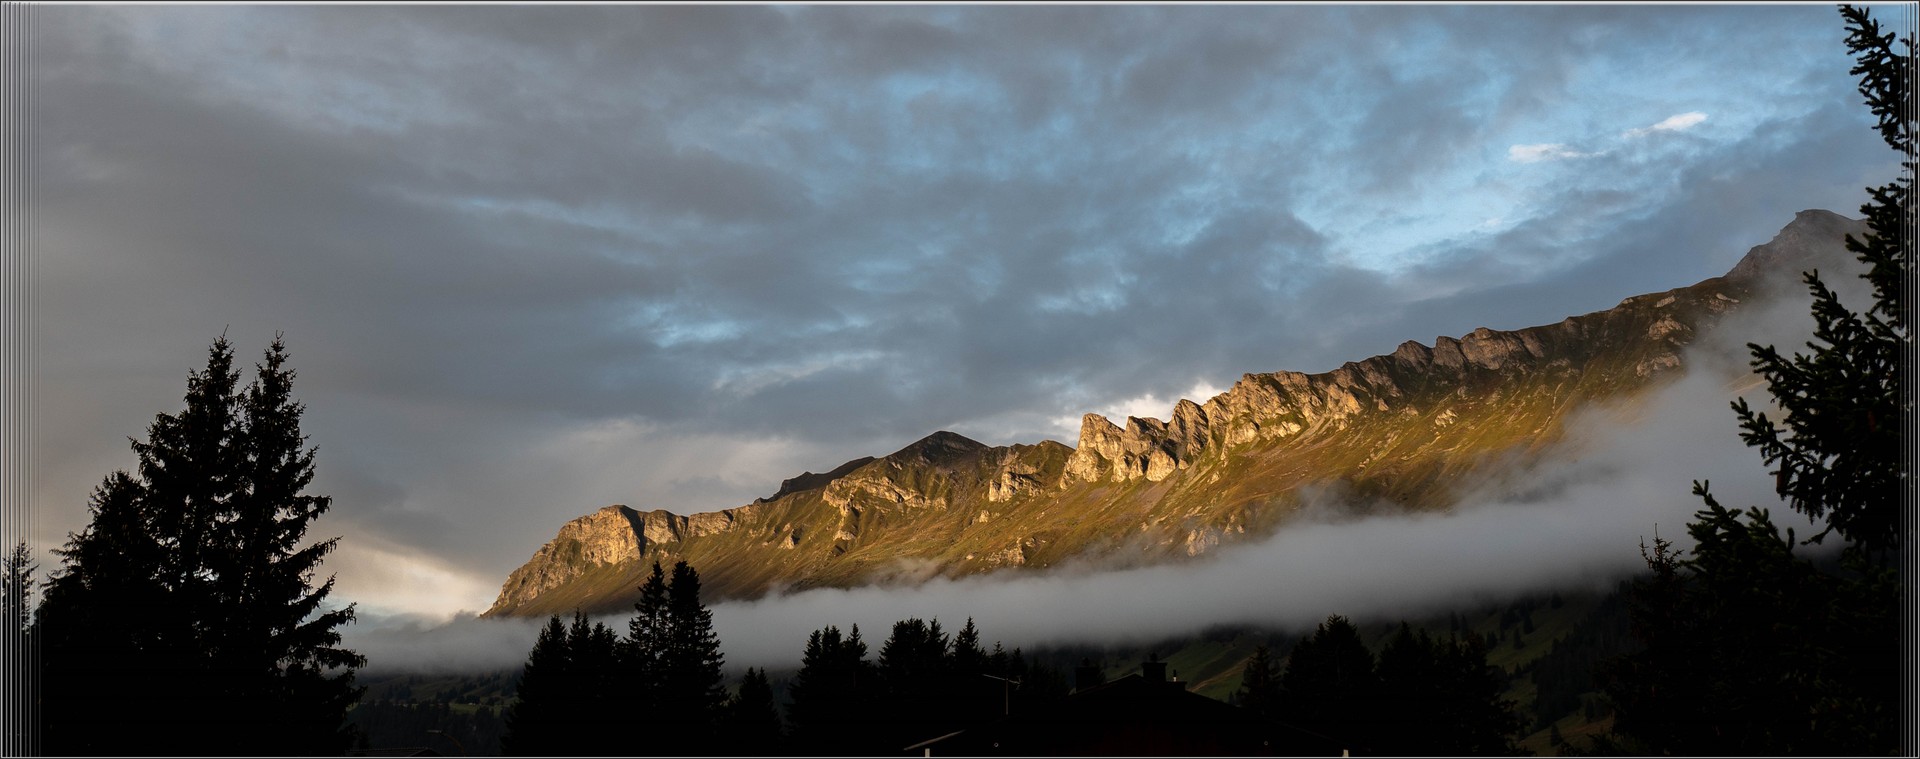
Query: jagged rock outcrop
point(1410, 428)
point(1025, 470)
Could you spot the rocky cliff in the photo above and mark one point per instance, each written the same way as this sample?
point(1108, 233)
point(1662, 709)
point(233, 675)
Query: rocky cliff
point(1407, 428)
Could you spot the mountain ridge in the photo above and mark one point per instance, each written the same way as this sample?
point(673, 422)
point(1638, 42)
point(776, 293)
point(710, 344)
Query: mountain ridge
point(1406, 427)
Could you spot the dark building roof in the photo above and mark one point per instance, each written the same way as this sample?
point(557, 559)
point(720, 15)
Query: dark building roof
point(1137, 715)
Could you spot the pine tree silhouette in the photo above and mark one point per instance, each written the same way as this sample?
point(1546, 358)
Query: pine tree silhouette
point(186, 607)
point(691, 690)
point(752, 722)
point(1748, 647)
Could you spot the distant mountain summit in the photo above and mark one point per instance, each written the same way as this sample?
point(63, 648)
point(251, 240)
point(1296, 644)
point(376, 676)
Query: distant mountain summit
point(1410, 428)
point(1807, 242)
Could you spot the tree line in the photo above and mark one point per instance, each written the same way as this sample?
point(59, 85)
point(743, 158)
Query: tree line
point(588, 691)
point(1420, 696)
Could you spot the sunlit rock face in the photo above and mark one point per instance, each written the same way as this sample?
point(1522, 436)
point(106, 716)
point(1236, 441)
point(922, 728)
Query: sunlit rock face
point(606, 537)
point(1410, 429)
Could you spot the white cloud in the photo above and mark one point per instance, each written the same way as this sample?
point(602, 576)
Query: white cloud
point(1148, 406)
point(1546, 151)
point(1675, 123)
point(391, 579)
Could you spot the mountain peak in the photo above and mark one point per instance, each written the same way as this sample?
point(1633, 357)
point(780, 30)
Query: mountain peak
point(938, 447)
point(1814, 238)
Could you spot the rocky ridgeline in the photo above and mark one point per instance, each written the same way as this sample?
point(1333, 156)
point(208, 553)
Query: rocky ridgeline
point(1179, 487)
point(1265, 408)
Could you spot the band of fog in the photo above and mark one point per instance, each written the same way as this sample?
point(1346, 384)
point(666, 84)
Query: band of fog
point(1579, 526)
point(1572, 521)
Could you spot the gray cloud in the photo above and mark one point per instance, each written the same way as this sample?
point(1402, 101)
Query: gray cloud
point(1572, 521)
point(532, 260)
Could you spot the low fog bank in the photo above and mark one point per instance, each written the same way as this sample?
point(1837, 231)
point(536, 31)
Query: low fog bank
point(1571, 521)
point(1574, 525)
point(422, 644)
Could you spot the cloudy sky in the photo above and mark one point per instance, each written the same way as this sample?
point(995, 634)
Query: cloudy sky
point(532, 261)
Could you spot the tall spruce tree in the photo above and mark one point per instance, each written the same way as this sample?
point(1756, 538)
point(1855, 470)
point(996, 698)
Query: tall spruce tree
point(1846, 404)
point(16, 589)
point(22, 665)
point(1748, 647)
point(752, 721)
point(968, 659)
point(692, 691)
point(596, 718)
point(274, 618)
point(1329, 686)
point(831, 695)
point(913, 669)
point(186, 604)
point(1260, 684)
point(586, 692)
point(975, 698)
point(1438, 697)
point(645, 644)
point(569, 700)
point(106, 628)
point(533, 718)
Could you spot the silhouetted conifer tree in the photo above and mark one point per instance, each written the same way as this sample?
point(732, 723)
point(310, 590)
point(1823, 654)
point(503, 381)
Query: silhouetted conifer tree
point(16, 589)
point(1329, 686)
point(1260, 684)
point(1039, 684)
point(752, 722)
point(186, 607)
point(691, 689)
point(533, 719)
point(1440, 697)
point(1749, 648)
point(645, 645)
point(599, 716)
point(569, 700)
point(974, 698)
point(22, 665)
point(913, 668)
point(1847, 405)
point(968, 658)
point(272, 618)
point(832, 695)
point(586, 691)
